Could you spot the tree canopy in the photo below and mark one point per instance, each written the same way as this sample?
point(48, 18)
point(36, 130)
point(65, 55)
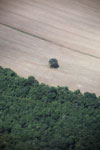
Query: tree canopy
point(53, 62)
point(36, 116)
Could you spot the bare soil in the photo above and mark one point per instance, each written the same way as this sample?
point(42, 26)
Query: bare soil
point(33, 31)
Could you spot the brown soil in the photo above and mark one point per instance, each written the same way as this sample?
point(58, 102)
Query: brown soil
point(33, 31)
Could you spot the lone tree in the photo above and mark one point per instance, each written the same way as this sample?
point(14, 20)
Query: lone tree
point(53, 62)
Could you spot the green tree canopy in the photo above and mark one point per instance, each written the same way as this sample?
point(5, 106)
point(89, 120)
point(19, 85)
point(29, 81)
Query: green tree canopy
point(53, 62)
point(36, 116)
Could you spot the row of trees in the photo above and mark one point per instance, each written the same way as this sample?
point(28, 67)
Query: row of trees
point(35, 116)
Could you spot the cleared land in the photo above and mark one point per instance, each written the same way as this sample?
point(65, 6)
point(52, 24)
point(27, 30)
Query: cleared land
point(33, 31)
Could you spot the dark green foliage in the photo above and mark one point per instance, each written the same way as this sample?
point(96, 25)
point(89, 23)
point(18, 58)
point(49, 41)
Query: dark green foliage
point(53, 62)
point(10, 72)
point(35, 116)
point(31, 81)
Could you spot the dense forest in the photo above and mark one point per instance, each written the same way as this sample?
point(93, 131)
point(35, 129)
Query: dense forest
point(36, 116)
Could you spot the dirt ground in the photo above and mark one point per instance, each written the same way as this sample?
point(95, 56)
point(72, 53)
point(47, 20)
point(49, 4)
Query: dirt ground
point(33, 31)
